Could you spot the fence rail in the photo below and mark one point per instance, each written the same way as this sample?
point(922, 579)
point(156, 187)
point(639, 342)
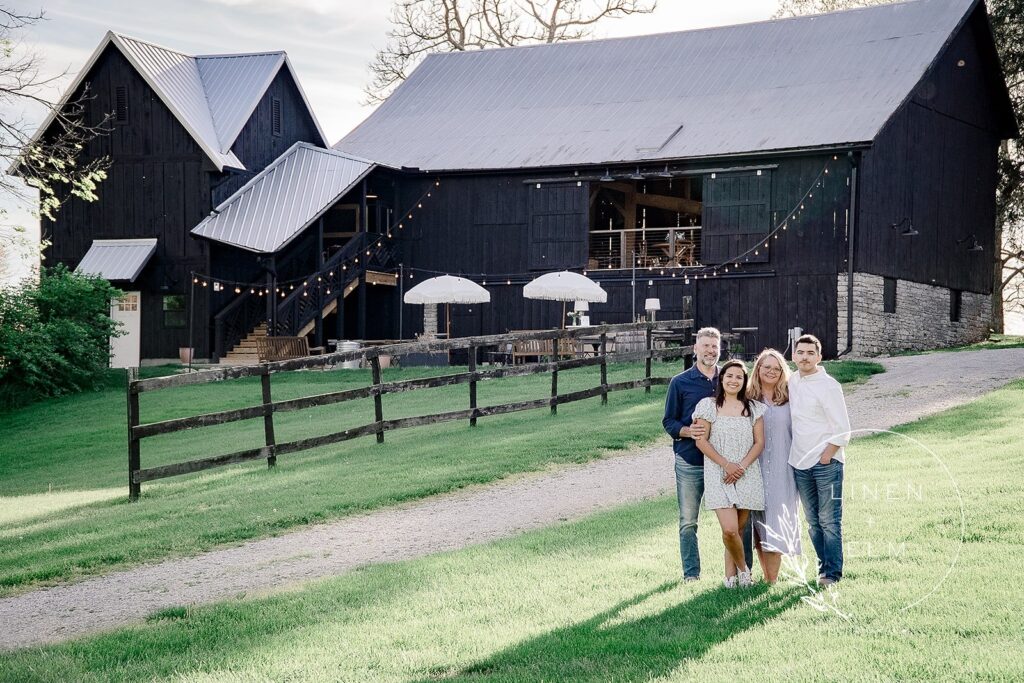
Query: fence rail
point(137, 431)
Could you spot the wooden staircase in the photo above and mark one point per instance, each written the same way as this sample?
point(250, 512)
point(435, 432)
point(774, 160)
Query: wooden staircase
point(245, 352)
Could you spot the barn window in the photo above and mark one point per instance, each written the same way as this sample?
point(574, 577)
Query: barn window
point(174, 311)
point(955, 299)
point(889, 295)
point(121, 104)
point(275, 116)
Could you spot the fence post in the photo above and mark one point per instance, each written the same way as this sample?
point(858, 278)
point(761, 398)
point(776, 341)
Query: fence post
point(378, 406)
point(649, 343)
point(134, 451)
point(472, 384)
point(268, 416)
point(554, 377)
point(604, 368)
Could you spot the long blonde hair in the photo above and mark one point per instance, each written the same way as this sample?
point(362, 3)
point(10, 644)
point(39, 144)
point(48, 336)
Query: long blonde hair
point(781, 394)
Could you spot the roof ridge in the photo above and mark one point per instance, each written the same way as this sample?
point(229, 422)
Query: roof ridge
point(232, 55)
point(249, 183)
point(608, 39)
point(125, 36)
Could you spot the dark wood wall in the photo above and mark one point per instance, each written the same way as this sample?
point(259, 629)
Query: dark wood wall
point(511, 231)
point(934, 163)
point(158, 186)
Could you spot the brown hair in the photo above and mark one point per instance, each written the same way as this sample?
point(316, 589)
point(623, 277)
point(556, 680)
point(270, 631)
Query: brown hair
point(780, 395)
point(741, 394)
point(808, 339)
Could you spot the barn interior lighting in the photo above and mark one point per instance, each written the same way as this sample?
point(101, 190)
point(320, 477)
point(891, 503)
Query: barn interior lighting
point(637, 175)
point(666, 174)
point(606, 178)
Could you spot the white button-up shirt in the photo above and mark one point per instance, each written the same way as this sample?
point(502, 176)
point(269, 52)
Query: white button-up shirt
point(819, 418)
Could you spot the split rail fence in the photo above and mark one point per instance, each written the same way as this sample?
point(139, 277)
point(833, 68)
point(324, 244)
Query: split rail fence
point(566, 339)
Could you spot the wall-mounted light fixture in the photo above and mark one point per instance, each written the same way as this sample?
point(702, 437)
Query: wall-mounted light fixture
point(908, 227)
point(973, 246)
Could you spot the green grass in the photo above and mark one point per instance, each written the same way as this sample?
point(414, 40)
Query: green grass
point(995, 341)
point(63, 493)
point(598, 600)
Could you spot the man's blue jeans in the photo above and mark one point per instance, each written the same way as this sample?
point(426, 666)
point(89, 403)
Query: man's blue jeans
point(689, 491)
point(821, 492)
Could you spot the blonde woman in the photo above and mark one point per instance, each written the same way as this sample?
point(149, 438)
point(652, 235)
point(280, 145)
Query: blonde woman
point(776, 528)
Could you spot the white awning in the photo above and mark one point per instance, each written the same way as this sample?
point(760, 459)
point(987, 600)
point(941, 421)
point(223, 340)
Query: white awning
point(117, 259)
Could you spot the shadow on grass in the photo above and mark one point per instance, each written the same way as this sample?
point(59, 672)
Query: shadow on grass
point(610, 646)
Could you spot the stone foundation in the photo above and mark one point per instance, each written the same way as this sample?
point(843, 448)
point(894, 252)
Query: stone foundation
point(920, 321)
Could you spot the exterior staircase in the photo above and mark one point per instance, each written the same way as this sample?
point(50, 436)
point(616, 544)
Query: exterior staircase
point(244, 352)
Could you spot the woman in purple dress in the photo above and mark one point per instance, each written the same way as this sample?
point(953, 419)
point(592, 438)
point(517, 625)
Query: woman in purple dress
point(777, 527)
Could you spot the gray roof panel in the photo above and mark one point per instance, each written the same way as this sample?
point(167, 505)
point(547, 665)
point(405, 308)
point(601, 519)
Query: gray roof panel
point(283, 199)
point(783, 84)
point(117, 259)
point(234, 85)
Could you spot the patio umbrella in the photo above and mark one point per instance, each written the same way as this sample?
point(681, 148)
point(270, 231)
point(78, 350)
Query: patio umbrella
point(565, 286)
point(447, 290)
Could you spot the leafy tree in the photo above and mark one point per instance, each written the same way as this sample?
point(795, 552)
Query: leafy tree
point(48, 163)
point(421, 27)
point(54, 335)
point(1007, 18)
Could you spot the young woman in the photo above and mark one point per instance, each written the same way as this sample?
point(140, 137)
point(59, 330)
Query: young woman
point(776, 529)
point(733, 440)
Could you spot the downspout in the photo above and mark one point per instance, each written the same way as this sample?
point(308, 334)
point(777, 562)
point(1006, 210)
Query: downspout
point(849, 256)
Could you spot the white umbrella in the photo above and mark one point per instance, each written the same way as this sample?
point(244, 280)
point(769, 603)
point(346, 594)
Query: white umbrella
point(565, 286)
point(447, 289)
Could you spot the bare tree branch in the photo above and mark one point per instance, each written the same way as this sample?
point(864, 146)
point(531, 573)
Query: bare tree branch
point(421, 27)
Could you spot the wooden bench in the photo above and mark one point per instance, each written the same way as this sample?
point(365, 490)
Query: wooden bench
point(270, 349)
point(540, 348)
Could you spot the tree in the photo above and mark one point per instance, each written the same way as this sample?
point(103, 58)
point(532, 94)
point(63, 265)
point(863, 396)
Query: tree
point(50, 163)
point(1007, 17)
point(421, 27)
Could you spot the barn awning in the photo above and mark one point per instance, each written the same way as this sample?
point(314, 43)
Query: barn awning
point(117, 259)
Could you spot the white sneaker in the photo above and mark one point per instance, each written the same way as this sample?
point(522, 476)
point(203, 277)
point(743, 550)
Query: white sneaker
point(744, 579)
point(729, 582)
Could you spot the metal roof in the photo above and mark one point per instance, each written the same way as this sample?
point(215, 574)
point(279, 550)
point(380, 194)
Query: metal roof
point(281, 201)
point(782, 84)
point(117, 259)
point(212, 96)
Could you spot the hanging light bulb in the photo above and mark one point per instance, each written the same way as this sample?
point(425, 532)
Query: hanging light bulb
point(238, 290)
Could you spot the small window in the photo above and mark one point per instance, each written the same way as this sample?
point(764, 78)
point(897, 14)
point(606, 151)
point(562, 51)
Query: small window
point(121, 104)
point(128, 302)
point(275, 116)
point(889, 295)
point(955, 297)
point(174, 310)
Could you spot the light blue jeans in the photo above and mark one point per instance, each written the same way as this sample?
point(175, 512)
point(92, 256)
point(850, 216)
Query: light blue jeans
point(689, 491)
point(821, 492)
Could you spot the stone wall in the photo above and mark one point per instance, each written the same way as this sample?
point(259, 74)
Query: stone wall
point(921, 320)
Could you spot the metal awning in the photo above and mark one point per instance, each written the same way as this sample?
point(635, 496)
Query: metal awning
point(117, 259)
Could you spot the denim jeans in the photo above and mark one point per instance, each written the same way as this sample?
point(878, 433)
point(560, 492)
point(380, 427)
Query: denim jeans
point(689, 491)
point(821, 492)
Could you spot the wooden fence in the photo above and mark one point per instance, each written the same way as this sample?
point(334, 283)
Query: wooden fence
point(268, 408)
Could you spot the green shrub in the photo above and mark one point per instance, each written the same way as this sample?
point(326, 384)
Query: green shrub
point(54, 335)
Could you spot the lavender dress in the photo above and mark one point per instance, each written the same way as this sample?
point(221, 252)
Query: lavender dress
point(778, 525)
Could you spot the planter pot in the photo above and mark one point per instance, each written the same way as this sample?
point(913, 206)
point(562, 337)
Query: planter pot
point(185, 354)
point(385, 362)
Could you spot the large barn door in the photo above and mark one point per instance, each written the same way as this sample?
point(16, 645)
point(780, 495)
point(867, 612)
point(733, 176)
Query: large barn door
point(559, 218)
point(736, 216)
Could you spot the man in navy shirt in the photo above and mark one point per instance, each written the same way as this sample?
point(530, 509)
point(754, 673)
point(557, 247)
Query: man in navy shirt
point(684, 392)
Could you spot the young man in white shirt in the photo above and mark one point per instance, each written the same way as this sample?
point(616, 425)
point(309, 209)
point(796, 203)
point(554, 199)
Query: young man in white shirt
point(821, 429)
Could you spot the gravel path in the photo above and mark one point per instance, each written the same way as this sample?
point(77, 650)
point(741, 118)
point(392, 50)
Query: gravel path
point(912, 387)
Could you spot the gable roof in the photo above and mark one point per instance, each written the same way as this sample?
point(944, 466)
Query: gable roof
point(823, 80)
point(284, 199)
point(212, 96)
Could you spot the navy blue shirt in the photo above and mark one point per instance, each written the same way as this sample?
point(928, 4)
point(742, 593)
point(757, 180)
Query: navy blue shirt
point(684, 393)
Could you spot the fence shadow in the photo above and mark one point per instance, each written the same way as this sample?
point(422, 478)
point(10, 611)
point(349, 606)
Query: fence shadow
point(640, 649)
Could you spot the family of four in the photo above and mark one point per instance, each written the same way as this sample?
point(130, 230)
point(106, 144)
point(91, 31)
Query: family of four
point(751, 446)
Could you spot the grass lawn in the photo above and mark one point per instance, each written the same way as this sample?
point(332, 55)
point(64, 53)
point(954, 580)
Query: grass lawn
point(996, 341)
point(63, 493)
point(930, 593)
